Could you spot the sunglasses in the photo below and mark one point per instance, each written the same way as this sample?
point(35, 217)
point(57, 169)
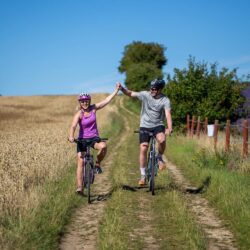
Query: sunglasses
point(84, 101)
point(154, 89)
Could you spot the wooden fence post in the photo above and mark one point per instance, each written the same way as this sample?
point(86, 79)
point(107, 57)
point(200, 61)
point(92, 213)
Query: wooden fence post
point(216, 127)
point(188, 125)
point(192, 126)
point(198, 127)
point(205, 126)
point(245, 138)
point(227, 142)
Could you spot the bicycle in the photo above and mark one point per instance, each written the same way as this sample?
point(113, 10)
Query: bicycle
point(88, 167)
point(152, 164)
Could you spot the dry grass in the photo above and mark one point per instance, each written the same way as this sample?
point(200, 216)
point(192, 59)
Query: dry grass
point(208, 142)
point(34, 147)
point(234, 155)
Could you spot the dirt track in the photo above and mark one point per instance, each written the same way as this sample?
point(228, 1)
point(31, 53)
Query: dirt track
point(82, 232)
point(219, 237)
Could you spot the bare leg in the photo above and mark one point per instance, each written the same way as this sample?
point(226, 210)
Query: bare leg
point(161, 142)
point(143, 162)
point(102, 151)
point(79, 170)
point(161, 145)
point(143, 155)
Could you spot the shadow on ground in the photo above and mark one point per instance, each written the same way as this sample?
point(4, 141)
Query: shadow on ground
point(201, 189)
point(172, 186)
point(167, 188)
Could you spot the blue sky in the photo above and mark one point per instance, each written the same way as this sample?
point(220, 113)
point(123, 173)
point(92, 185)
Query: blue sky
point(71, 46)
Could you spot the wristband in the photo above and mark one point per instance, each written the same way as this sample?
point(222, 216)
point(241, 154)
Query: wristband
point(123, 89)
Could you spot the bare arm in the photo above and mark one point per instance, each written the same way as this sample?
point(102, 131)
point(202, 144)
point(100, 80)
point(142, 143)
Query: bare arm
point(128, 92)
point(73, 126)
point(169, 121)
point(108, 99)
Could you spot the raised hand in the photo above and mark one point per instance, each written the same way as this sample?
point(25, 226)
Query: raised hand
point(119, 85)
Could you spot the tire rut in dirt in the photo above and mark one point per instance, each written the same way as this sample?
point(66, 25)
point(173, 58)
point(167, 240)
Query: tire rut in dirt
point(219, 237)
point(82, 232)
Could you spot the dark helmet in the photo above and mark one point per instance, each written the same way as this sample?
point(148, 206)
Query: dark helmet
point(84, 97)
point(157, 83)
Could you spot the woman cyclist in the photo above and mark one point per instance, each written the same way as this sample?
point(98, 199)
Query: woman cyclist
point(86, 119)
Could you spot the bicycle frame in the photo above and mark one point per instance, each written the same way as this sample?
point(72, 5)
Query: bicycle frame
point(88, 168)
point(152, 166)
point(88, 172)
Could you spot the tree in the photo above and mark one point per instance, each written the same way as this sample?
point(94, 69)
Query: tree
point(142, 62)
point(139, 75)
point(204, 92)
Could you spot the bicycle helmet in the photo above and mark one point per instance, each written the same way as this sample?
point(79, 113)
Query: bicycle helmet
point(157, 83)
point(84, 97)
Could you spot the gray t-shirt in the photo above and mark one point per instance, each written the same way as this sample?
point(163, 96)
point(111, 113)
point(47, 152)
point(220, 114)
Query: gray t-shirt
point(152, 110)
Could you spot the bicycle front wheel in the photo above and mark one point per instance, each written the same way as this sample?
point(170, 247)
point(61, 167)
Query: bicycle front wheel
point(152, 183)
point(88, 179)
point(152, 174)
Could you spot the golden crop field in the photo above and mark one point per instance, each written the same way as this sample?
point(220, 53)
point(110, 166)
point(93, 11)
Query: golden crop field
point(34, 147)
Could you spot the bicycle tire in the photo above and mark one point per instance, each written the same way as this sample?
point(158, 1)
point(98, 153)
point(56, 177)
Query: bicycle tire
point(148, 172)
point(88, 180)
point(152, 177)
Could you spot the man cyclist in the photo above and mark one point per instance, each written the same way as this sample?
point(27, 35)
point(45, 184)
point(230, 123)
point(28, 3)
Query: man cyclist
point(155, 109)
point(86, 119)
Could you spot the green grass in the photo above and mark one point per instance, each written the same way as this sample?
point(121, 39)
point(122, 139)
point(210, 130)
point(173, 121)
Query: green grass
point(114, 129)
point(41, 227)
point(229, 190)
point(133, 105)
point(116, 229)
point(175, 227)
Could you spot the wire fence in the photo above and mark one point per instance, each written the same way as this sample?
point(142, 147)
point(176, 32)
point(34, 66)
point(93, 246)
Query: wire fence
point(236, 133)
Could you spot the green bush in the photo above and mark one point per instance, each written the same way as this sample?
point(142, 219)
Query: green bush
point(204, 92)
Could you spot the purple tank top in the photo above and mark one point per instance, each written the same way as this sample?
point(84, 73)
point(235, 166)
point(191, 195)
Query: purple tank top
point(88, 125)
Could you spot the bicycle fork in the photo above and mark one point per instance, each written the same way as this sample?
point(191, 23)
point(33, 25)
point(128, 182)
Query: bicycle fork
point(88, 175)
point(152, 162)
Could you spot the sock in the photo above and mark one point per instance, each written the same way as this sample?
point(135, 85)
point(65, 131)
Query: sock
point(143, 171)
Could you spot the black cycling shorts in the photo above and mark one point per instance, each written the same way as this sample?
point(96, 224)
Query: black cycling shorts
point(82, 146)
point(144, 137)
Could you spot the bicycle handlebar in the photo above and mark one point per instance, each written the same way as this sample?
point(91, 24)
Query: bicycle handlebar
point(147, 132)
point(81, 140)
point(142, 132)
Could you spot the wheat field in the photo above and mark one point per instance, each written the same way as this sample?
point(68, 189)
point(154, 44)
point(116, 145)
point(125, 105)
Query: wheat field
point(34, 147)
